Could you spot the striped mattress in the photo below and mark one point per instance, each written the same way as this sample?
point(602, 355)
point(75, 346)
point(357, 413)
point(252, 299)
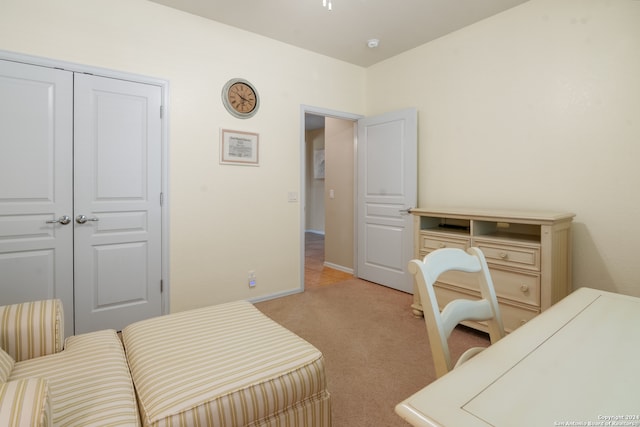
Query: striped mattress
point(225, 365)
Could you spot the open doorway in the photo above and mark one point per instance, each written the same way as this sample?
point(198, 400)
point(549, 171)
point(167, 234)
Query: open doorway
point(384, 157)
point(328, 197)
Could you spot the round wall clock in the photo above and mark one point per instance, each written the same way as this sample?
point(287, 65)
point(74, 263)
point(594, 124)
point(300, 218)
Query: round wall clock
point(240, 98)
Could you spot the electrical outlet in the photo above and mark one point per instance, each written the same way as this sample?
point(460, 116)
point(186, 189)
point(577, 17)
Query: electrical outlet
point(252, 279)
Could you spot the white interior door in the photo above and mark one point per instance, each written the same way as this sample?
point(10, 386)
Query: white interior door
point(387, 188)
point(117, 215)
point(36, 143)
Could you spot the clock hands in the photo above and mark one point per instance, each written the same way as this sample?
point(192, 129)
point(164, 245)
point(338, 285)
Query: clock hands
point(237, 92)
point(245, 100)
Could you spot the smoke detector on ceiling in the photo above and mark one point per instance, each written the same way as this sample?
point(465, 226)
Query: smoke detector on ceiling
point(373, 43)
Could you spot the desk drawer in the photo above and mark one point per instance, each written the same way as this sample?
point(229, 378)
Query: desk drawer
point(511, 256)
point(430, 242)
point(516, 286)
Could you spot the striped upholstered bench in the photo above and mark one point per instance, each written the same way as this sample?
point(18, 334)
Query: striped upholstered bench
point(86, 384)
point(225, 365)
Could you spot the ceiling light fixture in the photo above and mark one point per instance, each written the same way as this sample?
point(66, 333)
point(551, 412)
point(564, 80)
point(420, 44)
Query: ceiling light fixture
point(373, 43)
point(327, 4)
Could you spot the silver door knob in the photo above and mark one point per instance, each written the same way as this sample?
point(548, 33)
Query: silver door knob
point(64, 220)
point(81, 219)
point(405, 211)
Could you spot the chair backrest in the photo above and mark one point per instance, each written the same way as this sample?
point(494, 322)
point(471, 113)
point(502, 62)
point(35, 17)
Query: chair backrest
point(441, 324)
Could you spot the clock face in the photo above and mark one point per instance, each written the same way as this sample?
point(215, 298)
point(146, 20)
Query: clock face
point(240, 98)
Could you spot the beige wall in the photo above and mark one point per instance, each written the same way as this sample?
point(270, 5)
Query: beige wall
point(535, 108)
point(314, 195)
point(225, 220)
point(339, 209)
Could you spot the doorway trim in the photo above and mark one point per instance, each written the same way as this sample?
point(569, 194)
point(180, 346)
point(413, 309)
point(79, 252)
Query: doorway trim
point(318, 111)
point(164, 85)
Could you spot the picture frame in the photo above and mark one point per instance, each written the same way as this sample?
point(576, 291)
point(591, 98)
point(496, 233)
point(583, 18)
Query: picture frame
point(318, 164)
point(239, 148)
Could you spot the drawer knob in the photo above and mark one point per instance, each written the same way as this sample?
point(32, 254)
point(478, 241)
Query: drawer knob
point(443, 245)
point(524, 288)
point(503, 255)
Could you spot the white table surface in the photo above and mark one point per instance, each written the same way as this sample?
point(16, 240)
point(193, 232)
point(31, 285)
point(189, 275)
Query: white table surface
point(577, 363)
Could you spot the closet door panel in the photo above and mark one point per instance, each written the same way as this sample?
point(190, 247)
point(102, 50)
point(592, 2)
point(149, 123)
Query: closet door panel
point(36, 143)
point(118, 168)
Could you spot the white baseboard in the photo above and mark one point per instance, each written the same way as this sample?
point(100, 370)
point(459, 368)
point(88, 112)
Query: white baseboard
point(338, 267)
point(315, 232)
point(274, 296)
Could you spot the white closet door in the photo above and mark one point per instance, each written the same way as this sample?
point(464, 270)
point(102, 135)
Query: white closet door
point(36, 143)
point(117, 215)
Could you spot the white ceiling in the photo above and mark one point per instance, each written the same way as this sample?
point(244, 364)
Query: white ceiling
point(343, 32)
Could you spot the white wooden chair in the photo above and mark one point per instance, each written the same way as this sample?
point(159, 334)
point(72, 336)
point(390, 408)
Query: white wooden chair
point(441, 324)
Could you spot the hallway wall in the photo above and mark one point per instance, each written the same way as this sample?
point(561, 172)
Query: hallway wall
point(339, 192)
point(314, 187)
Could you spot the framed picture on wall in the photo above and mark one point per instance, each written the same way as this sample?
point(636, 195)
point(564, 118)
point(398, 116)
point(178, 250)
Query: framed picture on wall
point(239, 148)
point(318, 164)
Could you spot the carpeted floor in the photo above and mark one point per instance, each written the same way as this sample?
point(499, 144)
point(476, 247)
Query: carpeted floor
point(376, 351)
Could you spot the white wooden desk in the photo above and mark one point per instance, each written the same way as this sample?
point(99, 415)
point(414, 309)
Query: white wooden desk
point(576, 363)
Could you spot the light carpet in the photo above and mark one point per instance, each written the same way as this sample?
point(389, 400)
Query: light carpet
point(377, 353)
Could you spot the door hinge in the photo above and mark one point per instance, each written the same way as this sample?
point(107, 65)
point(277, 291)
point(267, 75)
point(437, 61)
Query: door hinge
point(161, 199)
point(161, 111)
point(161, 285)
